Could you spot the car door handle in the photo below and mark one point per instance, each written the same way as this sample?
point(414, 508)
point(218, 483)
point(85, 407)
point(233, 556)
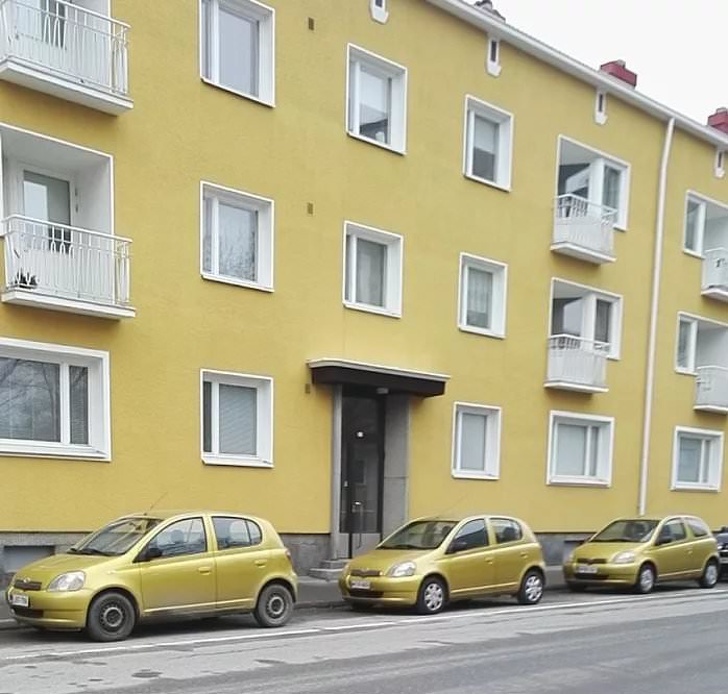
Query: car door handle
point(204, 570)
point(260, 562)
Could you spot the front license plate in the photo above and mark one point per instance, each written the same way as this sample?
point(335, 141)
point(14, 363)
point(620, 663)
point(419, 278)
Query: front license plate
point(586, 569)
point(360, 584)
point(19, 600)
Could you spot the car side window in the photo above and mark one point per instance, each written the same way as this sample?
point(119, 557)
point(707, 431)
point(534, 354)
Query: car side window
point(236, 532)
point(471, 535)
point(183, 537)
point(698, 528)
point(672, 531)
point(506, 530)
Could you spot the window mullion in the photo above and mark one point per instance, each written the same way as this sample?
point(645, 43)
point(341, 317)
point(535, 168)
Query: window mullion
point(65, 404)
point(355, 97)
point(214, 38)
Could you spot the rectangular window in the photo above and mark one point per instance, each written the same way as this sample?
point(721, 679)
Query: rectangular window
point(237, 46)
point(476, 441)
point(697, 459)
point(53, 401)
point(611, 190)
point(482, 295)
point(237, 419)
point(581, 449)
point(372, 269)
point(488, 143)
point(377, 94)
point(694, 225)
point(237, 237)
point(687, 333)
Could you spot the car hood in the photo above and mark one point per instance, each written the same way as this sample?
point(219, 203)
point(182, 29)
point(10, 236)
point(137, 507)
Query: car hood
point(46, 569)
point(605, 550)
point(383, 559)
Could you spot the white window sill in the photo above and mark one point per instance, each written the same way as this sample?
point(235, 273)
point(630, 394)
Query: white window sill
point(600, 118)
point(474, 475)
point(366, 308)
point(685, 372)
point(250, 97)
point(693, 254)
point(498, 335)
point(494, 69)
point(578, 482)
point(693, 487)
point(383, 145)
point(52, 450)
point(236, 283)
point(486, 182)
point(379, 14)
point(236, 461)
point(620, 227)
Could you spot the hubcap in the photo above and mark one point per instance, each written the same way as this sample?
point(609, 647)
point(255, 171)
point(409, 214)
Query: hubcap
point(112, 617)
point(434, 597)
point(533, 588)
point(711, 574)
point(646, 579)
point(276, 606)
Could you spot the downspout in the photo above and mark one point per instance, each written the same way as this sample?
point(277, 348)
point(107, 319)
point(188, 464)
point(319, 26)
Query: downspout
point(655, 303)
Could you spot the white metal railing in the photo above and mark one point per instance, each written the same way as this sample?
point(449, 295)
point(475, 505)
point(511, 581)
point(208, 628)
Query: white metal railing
point(711, 387)
point(715, 268)
point(585, 224)
point(66, 262)
point(79, 44)
point(577, 361)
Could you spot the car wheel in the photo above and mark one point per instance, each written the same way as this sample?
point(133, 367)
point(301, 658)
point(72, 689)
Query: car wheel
point(531, 590)
point(711, 574)
point(274, 606)
point(645, 579)
point(111, 617)
point(576, 587)
point(432, 596)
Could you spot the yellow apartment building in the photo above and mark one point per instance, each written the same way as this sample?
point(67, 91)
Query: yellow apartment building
point(343, 263)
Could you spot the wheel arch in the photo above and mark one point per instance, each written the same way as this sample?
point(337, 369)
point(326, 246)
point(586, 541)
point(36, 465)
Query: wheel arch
point(116, 589)
point(280, 581)
point(439, 576)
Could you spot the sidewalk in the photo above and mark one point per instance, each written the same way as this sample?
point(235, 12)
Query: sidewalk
point(312, 593)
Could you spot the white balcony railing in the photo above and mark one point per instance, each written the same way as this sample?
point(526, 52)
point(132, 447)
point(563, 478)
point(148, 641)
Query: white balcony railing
point(577, 364)
point(583, 228)
point(65, 262)
point(711, 389)
point(715, 272)
point(66, 40)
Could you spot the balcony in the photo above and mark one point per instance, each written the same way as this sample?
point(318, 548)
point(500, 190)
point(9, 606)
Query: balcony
point(67, 51)
point(711, 389)
point(577, 364)
point(715, 274)
point(63, 268)
point(583, 229)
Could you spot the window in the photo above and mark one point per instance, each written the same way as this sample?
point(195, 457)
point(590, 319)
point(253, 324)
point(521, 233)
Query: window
point(506, 530)
point(237, 47)
point(471, 535)
point(476, 441)
point(719, 163)
point(672, 531)
point(482, 297)
point(237, 237)
point(377, 94)
point(698, 527)
point(706, 222)
point(600, 108)
point(694, 225)
point(54, 401)
point(237, 419)
point(700, 342)
point(180, 538)
point(580, 449)
point(697, 459)
point(236, 532)
point(488, 143)
point(372, 270)
point(492, 63)
point(687, 333)
point(378, 10)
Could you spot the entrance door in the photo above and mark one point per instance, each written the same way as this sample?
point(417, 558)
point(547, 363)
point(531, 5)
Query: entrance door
point(362, 467)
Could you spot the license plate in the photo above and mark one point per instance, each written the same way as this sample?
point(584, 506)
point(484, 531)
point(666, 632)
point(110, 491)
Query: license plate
point(19, 600)
point(360, 584)
point(586, 569)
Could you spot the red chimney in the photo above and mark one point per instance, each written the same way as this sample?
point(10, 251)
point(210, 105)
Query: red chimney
point(618, 69)
point(719, 119)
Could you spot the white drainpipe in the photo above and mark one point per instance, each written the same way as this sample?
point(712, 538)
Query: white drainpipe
point(652, 345)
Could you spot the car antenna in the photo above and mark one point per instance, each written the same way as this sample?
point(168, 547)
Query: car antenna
point(146, 513)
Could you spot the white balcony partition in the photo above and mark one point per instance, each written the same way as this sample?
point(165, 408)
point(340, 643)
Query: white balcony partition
point(577, 364)
point(583, 229)
point(715, 273)
point(711, 389)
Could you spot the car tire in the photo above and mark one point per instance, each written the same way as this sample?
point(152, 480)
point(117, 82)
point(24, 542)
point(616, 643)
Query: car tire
point(274, 606)
point(646, 578)
point(531, 590)
point(432, 596)
point(111, 617)
point(711, 574)
point(577, 587)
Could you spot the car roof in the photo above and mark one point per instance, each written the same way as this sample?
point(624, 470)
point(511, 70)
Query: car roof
point(468, 517)
point(166, 514)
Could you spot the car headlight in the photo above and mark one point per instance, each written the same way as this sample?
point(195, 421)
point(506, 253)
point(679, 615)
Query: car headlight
point(405, 568)
point(624, 558)
point(73, 580)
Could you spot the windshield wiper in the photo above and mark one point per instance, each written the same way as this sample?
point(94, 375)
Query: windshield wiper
point(93, 550)
point(402, 546)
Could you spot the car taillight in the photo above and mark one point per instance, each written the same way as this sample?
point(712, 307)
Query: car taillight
point(288, 556)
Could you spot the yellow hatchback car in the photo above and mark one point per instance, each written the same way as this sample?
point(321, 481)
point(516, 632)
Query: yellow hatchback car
point(639, 552)
point(430, 562)
point(159, 565)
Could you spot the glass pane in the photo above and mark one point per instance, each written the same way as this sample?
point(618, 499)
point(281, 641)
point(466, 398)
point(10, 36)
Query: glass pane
point(207, 205)
point(570, 449)
point(567, 317)
point(239, 38)
point(238, 420)
point(371, 277)
point(688, 466)
point(692, 223)
point(485, 147)
point(602, 327)
point(207, 417)
point(612, 183)
point(593, 451)
point(375, 95)
point(205, 19)
point(46, 198)
point(707, 454)
point(78, 377)
point(238, 242)
point(683, 344)
point(473, 428)
point(479, 298)
point(29, 400)
point(473, 534)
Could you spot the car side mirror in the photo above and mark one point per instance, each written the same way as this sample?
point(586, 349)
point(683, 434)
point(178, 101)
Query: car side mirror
point(149, 553)
point(457, 546)
point(663, 541)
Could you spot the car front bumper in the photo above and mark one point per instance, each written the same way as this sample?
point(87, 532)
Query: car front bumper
point(380, 590)
point(606, 575)
point(50, 610)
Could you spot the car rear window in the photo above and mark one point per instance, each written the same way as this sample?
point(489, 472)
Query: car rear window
point(699, 528)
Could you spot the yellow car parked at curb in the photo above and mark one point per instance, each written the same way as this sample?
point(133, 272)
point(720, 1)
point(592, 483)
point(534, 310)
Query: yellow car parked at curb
point(155, 566)
point(430, 562)
point(640, 552)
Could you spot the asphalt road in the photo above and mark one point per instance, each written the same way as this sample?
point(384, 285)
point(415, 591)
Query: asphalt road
point(671, 642)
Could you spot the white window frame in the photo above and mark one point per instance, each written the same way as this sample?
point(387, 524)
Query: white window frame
point(378, 10)
point(506, 123)
point(692, 344)
point(715, 464)
point(264, 432)
point(265, 207)
point(491, 463)
point(356, 56)
point(702, 217)
point(393, 276)
point(499, 271)
point(254, 10)
point(605, 462)
point(719, 166)
point(600, 107)
point(493, 57)
point(591, 295)
point(99, 401)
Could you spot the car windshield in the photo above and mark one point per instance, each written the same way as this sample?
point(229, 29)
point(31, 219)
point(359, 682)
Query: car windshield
point(115, 538)
point(423, 534)
point(626, 530)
